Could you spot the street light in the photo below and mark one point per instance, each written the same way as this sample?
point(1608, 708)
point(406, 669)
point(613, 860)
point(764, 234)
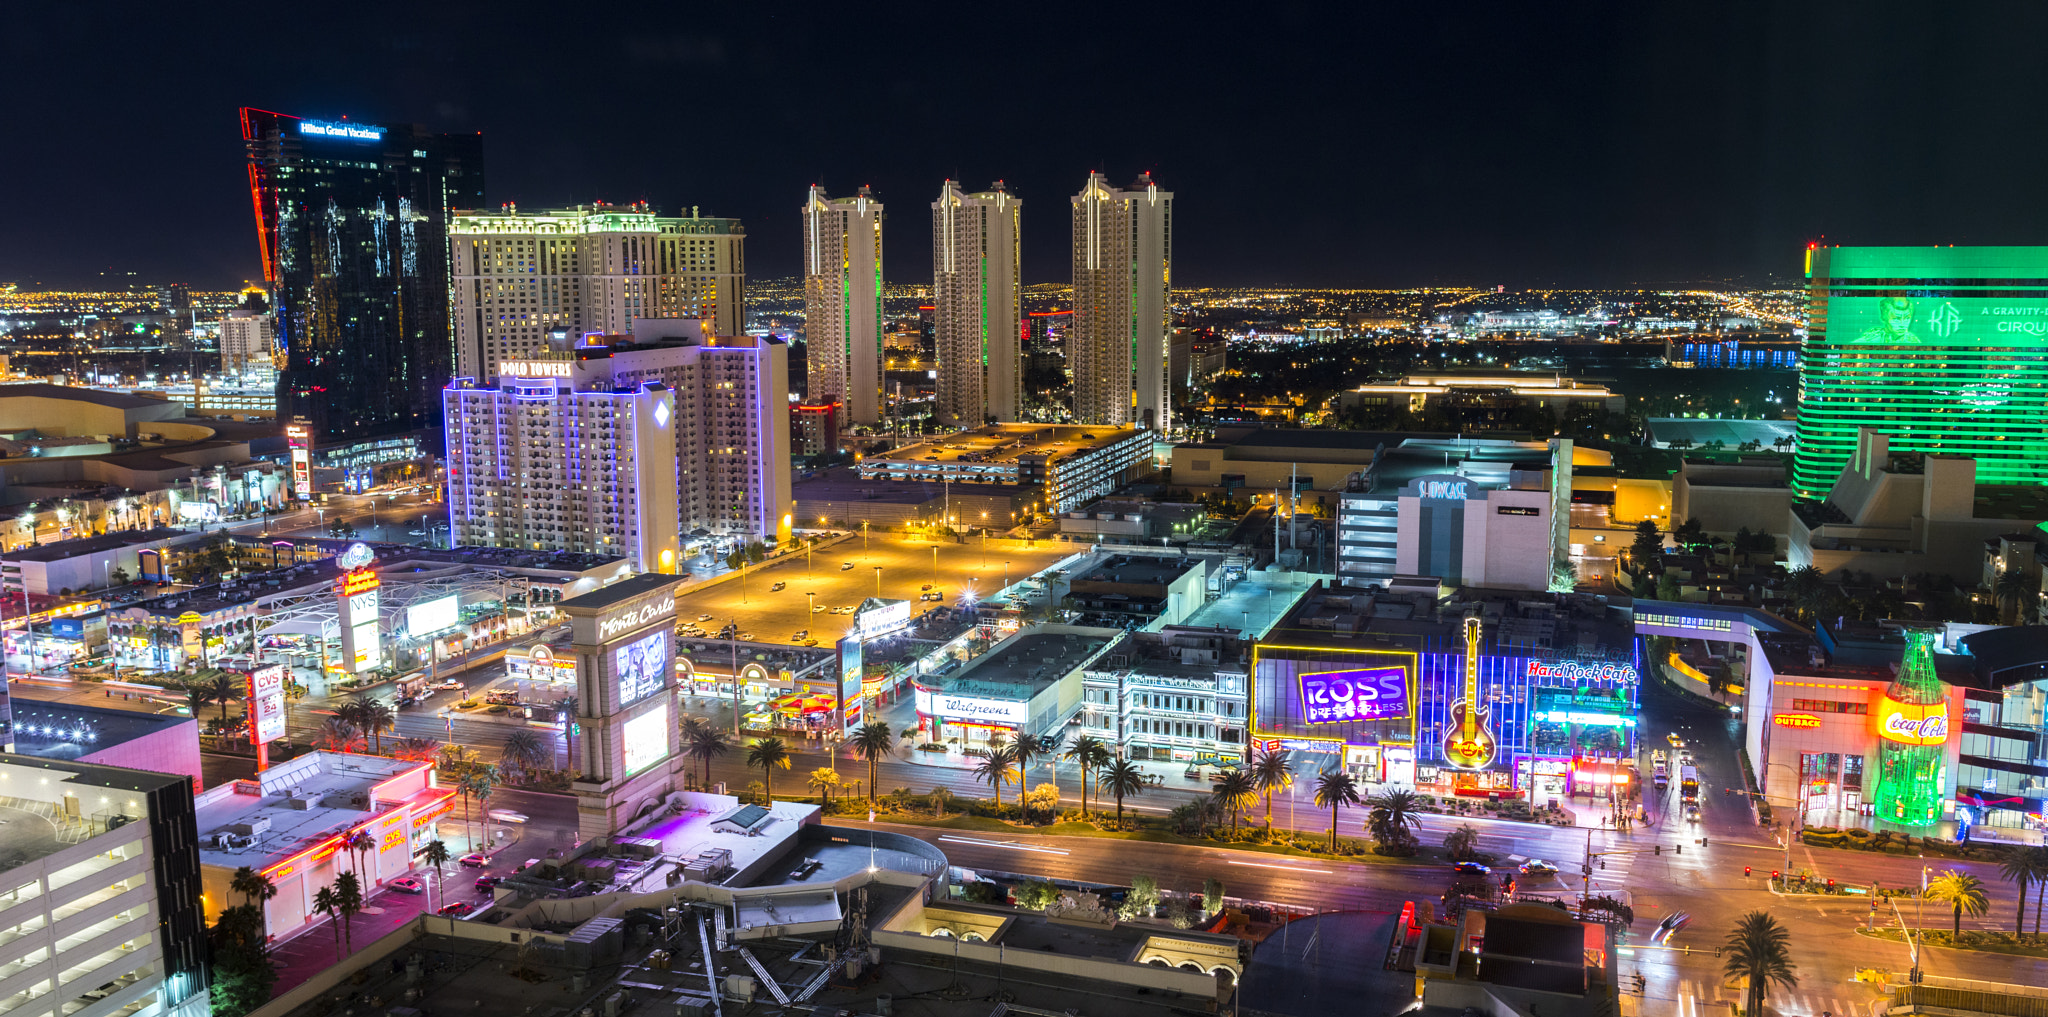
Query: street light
point(878, 581)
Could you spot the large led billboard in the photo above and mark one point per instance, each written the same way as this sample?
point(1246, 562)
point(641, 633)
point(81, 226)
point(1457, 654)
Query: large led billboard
point(849, 682)
point(645, 739)
point(434, 615)
point(1359, 697)
point(1941, 349)
point(642, 667)
point(1368, 693)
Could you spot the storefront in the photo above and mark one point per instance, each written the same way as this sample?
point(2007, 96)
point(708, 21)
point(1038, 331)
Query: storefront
point(969, 720)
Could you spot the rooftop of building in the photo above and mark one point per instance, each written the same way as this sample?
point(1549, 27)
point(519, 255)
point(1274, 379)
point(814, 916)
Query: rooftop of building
point(1007, 443)
point(97, 789)
point(1757, 470)
point(1140, 570)
point(1487, 462)
point(53, 730)
point(1411, 616)
point(1730, 433)
point(98, 397)
point(63, 549)
point(292, 806)
point(1521, 382)
point(1246, 442)
point(622, 591)
point(1028, 662)
point(844, 483)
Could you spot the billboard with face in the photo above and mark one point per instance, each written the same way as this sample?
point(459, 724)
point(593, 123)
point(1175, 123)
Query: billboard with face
point(642, 667)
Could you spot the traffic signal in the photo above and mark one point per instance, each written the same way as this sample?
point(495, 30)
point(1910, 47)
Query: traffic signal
point(1831, 885)
point(1657, 849)
point(1774, 873)
point(1725, 792)
point(1745, 872)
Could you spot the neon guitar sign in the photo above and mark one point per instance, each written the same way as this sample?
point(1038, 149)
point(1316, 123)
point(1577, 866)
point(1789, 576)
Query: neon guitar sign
point(1469, 743)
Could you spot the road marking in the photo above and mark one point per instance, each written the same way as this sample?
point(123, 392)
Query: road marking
point(1012, 845)
point(1285, 868)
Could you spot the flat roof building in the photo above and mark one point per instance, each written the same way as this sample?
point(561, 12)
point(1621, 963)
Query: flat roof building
point(1029, 683)
point(1069, 463)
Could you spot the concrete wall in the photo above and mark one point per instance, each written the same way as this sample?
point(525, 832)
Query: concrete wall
point(1054, 965)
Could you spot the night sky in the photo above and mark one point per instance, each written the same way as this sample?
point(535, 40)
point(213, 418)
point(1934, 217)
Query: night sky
point(1341, 144)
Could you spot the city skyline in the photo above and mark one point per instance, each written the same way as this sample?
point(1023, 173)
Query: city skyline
point(1521, 149)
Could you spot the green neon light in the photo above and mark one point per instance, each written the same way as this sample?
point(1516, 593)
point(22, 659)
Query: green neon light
point(1944, 350)
point(1912, 779)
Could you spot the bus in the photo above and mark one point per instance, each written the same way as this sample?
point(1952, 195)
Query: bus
point(1689, 783)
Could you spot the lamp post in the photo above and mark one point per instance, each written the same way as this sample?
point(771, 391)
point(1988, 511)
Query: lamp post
point(878, 581)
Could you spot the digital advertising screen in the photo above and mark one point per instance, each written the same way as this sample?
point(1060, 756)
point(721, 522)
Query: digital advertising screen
point(266, 701)
point(849, 680)
point(434, 615)
point(1359, 698)
point(642, 666)
point(646, 739)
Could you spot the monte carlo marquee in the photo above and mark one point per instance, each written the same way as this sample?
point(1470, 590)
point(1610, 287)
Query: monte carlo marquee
point(623, 640)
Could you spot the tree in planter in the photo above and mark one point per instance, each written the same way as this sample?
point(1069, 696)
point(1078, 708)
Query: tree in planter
point(823, 780)
point(872, 742)
point(1144, 896)
point(1036, 894)
point(1122, 779)
point(1178, 913)
point(1334, 789)
point(770, 754)
point(938, 799)
point(526, 751)
point(1462, 843)
point(1212, 896)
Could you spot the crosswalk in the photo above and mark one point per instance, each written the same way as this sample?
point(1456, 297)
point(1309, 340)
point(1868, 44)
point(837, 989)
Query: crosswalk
point(1692, 997)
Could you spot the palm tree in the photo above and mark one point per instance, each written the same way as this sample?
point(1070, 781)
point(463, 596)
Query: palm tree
point(223, 687)
point(938, 799)
point(1026, 748)
point(2013, 588)
point(419, 749)
point(1271, 772)
point(823, 780)
point(1461, 842)
point(1759, 950)
point(326, 903)
point(1806, 586)
point(374, 718)
point(1120, 778)
point(705, 743)
point(348, 899)
point(998, 766)
point(1395, 816)
point(1335, 788)
point(359, 845)
point(525, 750)
point(569, 707)
point(475, 783)
point(195, 698)
point(338, 735)
point(1091, 755)
point(2024, 865)
point(872, 742)
point(1233, 792)
point(254, 888)
point(437, 855)
point(769, 754)
point(1964, 893)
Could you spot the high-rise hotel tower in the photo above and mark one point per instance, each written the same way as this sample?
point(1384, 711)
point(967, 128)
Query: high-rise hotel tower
point(976, 305)
point(1944, 350)
point(352, 226)
point(1123, 269)
point(843, 302)
point(592, 268)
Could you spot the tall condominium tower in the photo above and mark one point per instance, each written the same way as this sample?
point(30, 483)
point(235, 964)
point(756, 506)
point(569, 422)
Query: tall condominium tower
point(1943, 350)
point(843, 302)
point(975, 301)
point(1123, 267)
point(247, 339)
point(591, 268)
point(352, 224)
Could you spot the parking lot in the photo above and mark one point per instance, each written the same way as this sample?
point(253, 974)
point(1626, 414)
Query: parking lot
point(906, 568)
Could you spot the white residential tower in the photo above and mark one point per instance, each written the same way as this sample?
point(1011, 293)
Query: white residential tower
point(976, 305)
point(1123, 270)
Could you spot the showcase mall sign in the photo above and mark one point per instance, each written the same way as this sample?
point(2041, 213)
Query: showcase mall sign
point(1912, 723)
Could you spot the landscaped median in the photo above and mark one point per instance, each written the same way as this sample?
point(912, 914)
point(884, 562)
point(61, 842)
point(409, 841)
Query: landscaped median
point(1985, 942)
point(1858, 839)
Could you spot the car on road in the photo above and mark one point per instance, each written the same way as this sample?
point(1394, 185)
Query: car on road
point(815, 608)
point(1676, 742)
point(926, 586)
point(746, 637)
point(450, 685)
point(703, 617)
point(474, 860)
point(415, 533)
point(1472, 869)
point(778, 587)
point(1671, 926)
point(810, 642)
point(846, 566)
point(1692, 812)
point(457, 909)
point(1538, 867)
point(407, 884)
point(488, 882)
point(801, 635)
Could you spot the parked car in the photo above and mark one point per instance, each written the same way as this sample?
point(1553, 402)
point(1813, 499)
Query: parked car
point(451, 685)
point(407, 884)
point(926, 586)
point(475, 860)
point(846, 566)
point(703, 617)
point(778, 587)
point(457, 909)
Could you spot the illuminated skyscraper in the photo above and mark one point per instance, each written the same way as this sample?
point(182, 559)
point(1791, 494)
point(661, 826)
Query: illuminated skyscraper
point(975, 294)
point(1941, 349)
point(1123, 270)
point(843, 302)
point(591, 268)
point(352, 223)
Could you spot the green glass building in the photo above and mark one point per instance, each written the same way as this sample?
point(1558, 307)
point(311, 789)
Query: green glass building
point(1942, 349)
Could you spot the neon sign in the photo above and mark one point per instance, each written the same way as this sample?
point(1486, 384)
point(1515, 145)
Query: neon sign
point(1446, 489)
point(351, 132)
point(1367, 693)
point(634, 617)
point(1912, 723)
point(359, 581)
point(1576, 671)
point(1795, 720)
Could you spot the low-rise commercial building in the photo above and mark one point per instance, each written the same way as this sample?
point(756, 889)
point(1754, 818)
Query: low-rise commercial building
point(1132, 590)
point(1471, 513)
point(65, 732)
point(1028, 684)
point(1749, 494)
point(1069, 464)
point(1174, 696)
point(99, 893)
point(301, 823)
point(1896, 516)
point(1121, 520)
point(1486, 400)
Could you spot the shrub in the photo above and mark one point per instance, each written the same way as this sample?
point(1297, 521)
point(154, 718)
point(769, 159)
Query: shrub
point(498, 709)
point(1036, 894)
